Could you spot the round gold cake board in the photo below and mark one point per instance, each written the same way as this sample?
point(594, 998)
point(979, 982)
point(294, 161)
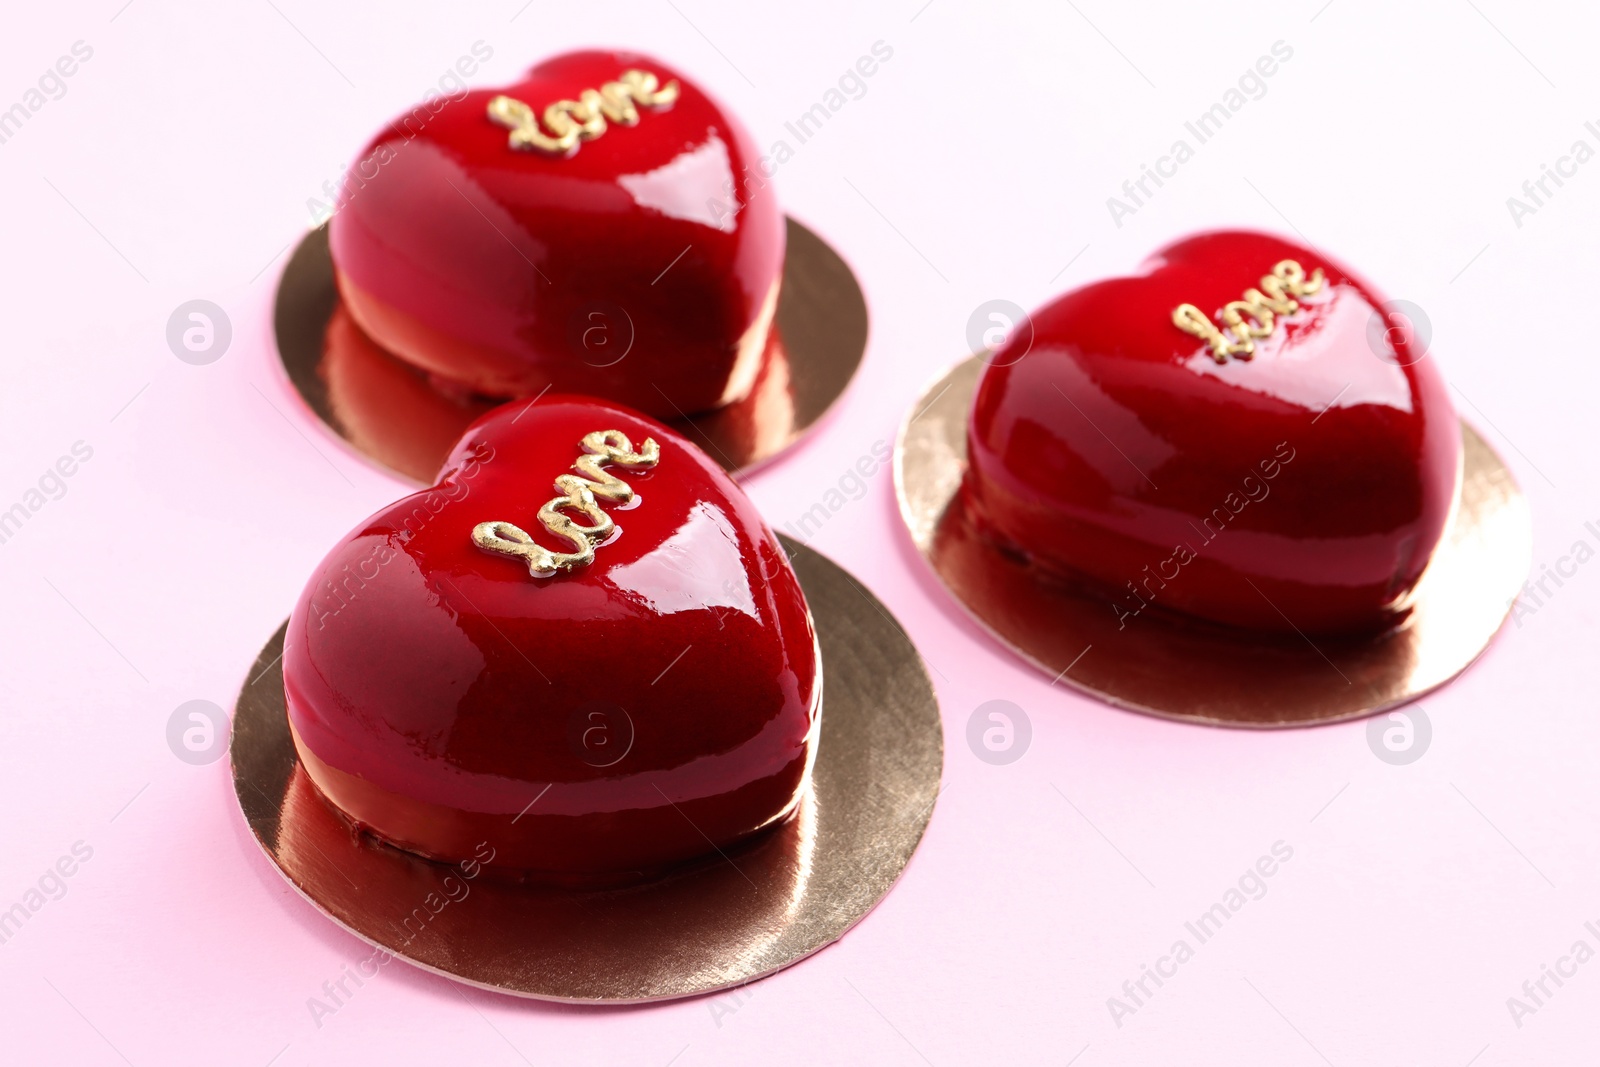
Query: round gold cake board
point(1194, 671)
point(388, 411)
point(722, 922)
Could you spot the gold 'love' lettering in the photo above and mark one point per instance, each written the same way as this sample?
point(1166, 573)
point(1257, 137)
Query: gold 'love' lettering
point(581, 496)
point(583, 119)
point(1253, 316)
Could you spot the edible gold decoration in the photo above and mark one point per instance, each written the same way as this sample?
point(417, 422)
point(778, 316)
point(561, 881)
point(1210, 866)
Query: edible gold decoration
point(578, 495)
point(1256, 315)
point(569, 121)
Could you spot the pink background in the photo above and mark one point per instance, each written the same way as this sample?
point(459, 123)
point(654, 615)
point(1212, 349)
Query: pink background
point(177, 165)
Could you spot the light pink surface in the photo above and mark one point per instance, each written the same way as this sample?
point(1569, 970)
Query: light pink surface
point(177, 165)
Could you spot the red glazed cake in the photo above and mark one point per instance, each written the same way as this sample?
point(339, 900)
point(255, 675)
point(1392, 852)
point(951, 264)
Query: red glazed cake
point(582, 646)
point(1243, 432)
point(601, 226)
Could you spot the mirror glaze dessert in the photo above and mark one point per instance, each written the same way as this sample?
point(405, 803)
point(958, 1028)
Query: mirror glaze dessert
point(582, 646)
point(1243, 432)
point(602, 226)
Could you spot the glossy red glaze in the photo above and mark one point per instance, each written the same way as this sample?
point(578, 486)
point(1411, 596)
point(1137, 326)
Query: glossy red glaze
point(1303, 488)
point(487, 265)
point(663, 700)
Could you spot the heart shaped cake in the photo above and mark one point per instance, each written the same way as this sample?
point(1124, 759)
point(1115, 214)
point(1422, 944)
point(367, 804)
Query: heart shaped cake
point(582, 646)
point(1244, 431)
point(602, 226)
